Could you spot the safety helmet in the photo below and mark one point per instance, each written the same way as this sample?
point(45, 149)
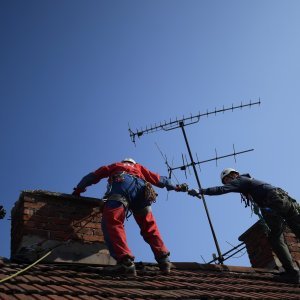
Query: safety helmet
point(128, 159)
point(226, 172)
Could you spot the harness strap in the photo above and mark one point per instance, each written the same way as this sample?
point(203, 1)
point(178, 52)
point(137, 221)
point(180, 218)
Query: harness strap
point(149, 193)
point(117, 177)
point(247, 199)
point(120, 198)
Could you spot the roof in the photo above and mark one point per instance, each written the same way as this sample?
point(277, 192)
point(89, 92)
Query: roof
point(186, 281)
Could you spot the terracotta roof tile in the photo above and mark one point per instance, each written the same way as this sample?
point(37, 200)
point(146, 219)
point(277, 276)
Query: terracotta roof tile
point(187, 281)
point(56, 297)
point(21, 297)
point(9, 297)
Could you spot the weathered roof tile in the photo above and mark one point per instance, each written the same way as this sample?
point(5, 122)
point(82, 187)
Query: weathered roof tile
point(187, 281)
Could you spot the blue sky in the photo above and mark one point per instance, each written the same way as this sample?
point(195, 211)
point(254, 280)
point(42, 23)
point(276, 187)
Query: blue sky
point(74, 74)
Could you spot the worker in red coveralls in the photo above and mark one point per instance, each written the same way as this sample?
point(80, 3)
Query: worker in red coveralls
point(130, 189)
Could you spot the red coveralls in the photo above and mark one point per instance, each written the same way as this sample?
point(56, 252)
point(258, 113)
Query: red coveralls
point(128, 180)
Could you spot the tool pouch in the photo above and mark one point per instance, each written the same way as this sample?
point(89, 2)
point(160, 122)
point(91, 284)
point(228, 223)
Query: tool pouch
point(149, 193)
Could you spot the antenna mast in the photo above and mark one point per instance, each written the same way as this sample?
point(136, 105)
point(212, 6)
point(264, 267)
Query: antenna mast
point(181, 123)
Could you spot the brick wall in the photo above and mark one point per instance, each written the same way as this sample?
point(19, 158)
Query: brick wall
point(260, 251)
point(293, 244)
point(44, 220)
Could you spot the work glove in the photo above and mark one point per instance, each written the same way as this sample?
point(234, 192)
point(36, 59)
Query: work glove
point(195, 193)
point(2, 212)
point(78, 191)
point(182, 187)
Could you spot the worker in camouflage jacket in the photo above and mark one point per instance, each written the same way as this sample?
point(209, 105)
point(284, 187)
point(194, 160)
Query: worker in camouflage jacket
point(130, 189)
point(276, 207)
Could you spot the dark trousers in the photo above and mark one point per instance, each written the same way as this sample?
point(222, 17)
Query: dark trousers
point(284, 209)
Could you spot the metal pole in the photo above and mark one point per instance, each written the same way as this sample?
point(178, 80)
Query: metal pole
point(220, 257)
point(235, 253)
point(229, 252)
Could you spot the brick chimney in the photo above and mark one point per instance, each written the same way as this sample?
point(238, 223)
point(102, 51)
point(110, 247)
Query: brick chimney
point(260, 251)
point(44, 220)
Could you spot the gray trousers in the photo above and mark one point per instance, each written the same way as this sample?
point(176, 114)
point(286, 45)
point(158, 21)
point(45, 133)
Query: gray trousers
point(284, 209)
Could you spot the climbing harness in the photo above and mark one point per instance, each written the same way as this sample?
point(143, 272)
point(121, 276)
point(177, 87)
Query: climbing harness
point(247, 199)
point(119, 198)
point(117, 177)
point(147, 190)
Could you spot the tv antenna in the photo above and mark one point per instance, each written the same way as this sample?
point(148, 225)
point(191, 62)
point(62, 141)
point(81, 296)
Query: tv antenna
point(185, 166)
point(181, 123)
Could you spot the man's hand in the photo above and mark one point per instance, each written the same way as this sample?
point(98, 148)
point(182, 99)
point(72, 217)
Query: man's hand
point(195, 193)
point(2, 212)
point(182, 187)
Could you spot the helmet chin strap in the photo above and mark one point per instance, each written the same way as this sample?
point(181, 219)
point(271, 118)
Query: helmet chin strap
point(234, 175)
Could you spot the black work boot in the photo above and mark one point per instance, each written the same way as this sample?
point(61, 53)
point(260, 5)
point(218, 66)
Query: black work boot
point(291, 276)
point(125, 267)
point(164, 264)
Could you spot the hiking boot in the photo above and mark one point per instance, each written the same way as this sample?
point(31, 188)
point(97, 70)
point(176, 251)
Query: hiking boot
point(164, 264)
point(125, 267)
point(292, 276)
point(165, 267)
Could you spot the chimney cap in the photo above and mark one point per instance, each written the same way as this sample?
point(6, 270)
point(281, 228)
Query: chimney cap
point(58, 195)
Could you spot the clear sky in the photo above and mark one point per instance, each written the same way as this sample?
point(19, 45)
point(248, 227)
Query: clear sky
point(75, 73)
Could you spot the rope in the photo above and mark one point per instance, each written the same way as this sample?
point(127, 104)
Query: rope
point(48, 253)
point(25, 269)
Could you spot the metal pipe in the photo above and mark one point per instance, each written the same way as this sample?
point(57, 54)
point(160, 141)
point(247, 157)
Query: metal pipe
point(239, 245)
point(235, 253)
point(220, 257)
